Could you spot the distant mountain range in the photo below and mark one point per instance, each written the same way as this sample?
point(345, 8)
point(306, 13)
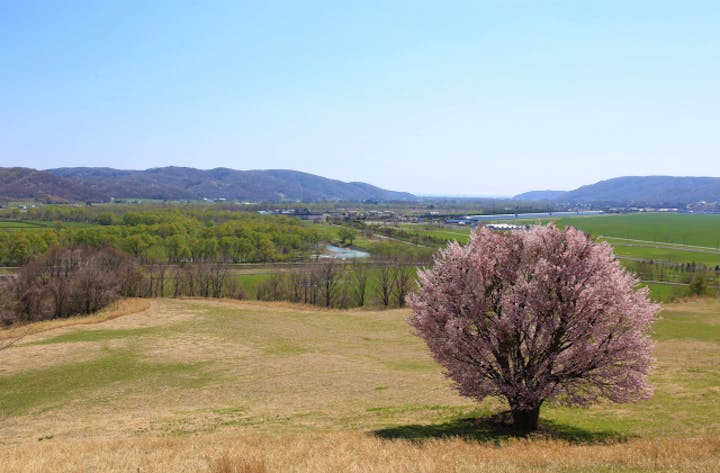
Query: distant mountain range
point(180, 183)
point(639, 190)
point(24, 183)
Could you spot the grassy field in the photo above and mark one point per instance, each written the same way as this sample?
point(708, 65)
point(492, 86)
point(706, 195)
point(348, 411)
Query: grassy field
point(17, 225)
point(197, 385)
point(9, 225)
point(680, 229)
point(672, 254)
point(664, 238)
point(686, 229)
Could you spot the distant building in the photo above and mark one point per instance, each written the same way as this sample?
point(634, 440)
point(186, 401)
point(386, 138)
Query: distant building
point(504, 226)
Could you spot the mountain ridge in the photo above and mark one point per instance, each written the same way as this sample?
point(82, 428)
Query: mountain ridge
point(186, 183)
point(641, 190)
point(96, 184)
point(27, 183)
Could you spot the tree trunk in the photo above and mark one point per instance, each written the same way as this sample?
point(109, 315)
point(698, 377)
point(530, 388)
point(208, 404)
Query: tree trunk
point(525, 420)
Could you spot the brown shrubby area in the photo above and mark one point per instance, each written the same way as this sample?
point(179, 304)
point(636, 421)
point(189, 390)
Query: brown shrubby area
point(82, 280)
point(68, 281)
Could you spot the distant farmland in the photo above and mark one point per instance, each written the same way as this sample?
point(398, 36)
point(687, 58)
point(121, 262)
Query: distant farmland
point(670, 241)
point(685, 229)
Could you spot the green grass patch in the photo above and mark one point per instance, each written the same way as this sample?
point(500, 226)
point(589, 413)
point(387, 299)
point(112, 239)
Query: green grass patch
point(7, 225)
point(686, 229)
point(671, 255)
point(98, 335)
point(688, 326)
point(665, 292)
point(50, 387)
point(249, 283)
point(410, 365)
point(17, 225)
point(285, 347)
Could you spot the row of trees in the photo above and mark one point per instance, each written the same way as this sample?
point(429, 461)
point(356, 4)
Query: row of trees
point(83, 280)
point(700, 279)
point(342, 285)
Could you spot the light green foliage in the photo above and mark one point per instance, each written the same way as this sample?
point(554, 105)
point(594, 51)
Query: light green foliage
point(346, 235)
point(159, 234)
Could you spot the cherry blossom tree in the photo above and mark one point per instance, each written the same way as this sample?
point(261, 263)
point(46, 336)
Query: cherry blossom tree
point(535, 316)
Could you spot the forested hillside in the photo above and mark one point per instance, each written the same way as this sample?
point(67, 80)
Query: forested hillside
point(23, 183)
point(640, 190)
point(173, 183)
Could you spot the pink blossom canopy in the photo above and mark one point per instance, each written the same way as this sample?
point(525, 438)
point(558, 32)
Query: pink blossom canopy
point(543, 314)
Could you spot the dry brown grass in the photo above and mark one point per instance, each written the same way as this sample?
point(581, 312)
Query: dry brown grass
point(268, 367)
point(705, 305)
point(115, 310)
point(354, 452)
point(234, 464)
point(292, 388)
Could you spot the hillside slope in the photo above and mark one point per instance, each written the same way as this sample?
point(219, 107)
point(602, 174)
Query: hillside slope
point(256, 185)
point(640, 190)
point(184, 382)
point(24, 183)
point(540, 195)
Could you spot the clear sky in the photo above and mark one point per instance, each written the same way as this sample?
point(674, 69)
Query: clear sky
point(455, 98)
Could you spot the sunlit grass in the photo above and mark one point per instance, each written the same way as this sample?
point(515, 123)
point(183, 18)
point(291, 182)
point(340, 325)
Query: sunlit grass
point(196, 368)
point(77, 383)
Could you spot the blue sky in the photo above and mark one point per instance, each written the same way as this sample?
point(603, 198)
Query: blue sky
point(454, 98)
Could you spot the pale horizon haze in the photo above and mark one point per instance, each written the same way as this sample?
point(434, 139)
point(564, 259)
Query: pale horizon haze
point(476, 98)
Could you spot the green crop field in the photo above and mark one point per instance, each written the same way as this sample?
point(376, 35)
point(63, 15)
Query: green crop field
point(37, 225)
point(17, 225)
point(667, 239)
point(686, 229)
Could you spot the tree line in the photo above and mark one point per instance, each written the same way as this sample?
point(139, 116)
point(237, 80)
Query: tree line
point(82, 280)
point(337, 284)
point(169, 235)
point(700, 279)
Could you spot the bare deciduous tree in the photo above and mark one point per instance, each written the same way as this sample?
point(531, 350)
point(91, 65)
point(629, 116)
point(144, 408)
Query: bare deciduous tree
point(359, 276)
point(65, 282)
point(384, 284)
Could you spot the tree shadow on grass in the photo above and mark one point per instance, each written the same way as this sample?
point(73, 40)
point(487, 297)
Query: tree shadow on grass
point(496, 429)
